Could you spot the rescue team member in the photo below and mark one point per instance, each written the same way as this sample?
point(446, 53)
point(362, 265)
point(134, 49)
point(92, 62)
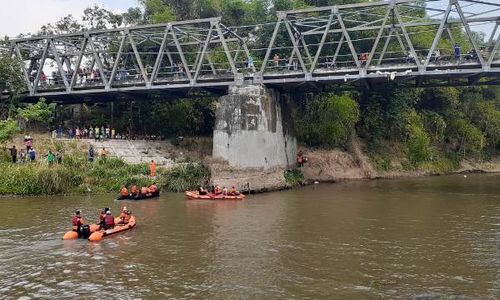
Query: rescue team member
point(109, 220)
point(134, 190)
point(217, 190)
point(77, 222)
point(202, 191)
point(234, 191)
point(102, 216)
point(153, 188)
point(124, 192)
point(152, 168)
point(124, 216)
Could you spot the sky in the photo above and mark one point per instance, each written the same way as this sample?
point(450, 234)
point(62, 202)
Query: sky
point(27, 16)
point(23, 16)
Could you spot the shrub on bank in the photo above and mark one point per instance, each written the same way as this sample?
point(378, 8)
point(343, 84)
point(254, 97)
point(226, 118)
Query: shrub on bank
point(183, 177)
point(76, 175)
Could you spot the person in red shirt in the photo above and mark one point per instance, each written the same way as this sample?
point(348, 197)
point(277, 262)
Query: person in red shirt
point(109, 220)
point(77, 221)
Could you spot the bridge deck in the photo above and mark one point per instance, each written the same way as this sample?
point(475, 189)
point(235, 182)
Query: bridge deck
point(362, 43)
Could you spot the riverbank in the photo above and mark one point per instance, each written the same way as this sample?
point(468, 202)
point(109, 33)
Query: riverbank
point(336, 165)
point(75, 174)
point(187, 164)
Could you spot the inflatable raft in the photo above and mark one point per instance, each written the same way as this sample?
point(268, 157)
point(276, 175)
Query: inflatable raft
point(100, 234)
point(139, 197)
point(73, 235)
point(194, 195)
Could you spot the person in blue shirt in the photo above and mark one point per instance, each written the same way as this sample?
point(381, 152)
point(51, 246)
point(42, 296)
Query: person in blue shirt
point(32, 154)
point(457, 51)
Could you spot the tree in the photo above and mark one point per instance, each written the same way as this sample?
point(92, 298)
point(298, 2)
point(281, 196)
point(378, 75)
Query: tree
point(11, 78)
point(329, 120)
point(417, 141)
point(40, 113)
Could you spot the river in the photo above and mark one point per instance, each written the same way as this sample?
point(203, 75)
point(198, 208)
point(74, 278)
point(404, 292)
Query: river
point(389, 239)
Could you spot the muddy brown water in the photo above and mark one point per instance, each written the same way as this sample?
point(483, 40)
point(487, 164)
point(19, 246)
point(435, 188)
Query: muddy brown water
point(433, 237)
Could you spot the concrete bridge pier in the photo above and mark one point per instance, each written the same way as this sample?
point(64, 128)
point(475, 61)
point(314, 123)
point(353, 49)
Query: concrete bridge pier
point(253, 138)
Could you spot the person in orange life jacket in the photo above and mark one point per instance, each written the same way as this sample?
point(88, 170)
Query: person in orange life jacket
point(224, 191)
point(144, 190)
point(124, 216)
point(234, 191)
point(153, 188)
point(109, 220)
point(217, 190)
point(124, 192)
point(134, 190)
point(152, 168)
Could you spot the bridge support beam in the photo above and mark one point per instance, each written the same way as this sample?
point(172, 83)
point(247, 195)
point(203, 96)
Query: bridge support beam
point(251, 129)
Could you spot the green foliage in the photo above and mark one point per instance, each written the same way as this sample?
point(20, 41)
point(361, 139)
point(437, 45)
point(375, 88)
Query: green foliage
point(183, 177)
point(381, 162)
point(157, 11)
point(39, 113)
point(293, 177)
point(442, 165)
point(434, 124)
point(418, 140)
point(470, 139)
point(8, 128)
point(329, 120)
point(486, 117)
point(11, 76)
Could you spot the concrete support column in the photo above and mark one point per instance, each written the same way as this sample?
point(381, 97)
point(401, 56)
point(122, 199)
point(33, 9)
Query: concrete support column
point(252, 130)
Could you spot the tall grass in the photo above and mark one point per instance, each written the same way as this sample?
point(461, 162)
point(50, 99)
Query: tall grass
point(76, 175)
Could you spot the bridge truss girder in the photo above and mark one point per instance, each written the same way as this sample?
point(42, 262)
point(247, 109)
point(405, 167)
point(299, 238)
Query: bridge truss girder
point(342, 43)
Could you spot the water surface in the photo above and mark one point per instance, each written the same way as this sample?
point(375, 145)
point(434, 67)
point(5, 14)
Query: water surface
point(399, 239)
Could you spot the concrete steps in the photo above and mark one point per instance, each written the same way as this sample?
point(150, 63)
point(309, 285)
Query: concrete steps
point(137, 151)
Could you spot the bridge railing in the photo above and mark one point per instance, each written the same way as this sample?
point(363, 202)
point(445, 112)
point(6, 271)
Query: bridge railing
point(356, 41)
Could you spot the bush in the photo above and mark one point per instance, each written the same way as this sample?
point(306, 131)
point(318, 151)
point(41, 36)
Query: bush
point(329, 121)
point(294, 177)
point(183, 177)
point(417, 142)
point(40, 113)
point(8, 128)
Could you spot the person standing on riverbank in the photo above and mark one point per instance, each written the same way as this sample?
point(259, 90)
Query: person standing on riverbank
point(152, 169)
point(96, 132)
point(32, 154)
point(13, 154)
point(91, 154)
point(50, 158)
point(103, 153)
point(28, 142)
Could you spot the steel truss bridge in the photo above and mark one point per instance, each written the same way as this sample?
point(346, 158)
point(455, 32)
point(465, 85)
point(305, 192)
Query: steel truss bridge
point(411, 41)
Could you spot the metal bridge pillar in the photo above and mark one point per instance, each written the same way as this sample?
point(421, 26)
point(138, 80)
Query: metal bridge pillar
point(253, 130)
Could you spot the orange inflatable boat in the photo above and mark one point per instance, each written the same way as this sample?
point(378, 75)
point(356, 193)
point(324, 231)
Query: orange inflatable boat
point(194, 195)
point(73, 235)
point(100, 234)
